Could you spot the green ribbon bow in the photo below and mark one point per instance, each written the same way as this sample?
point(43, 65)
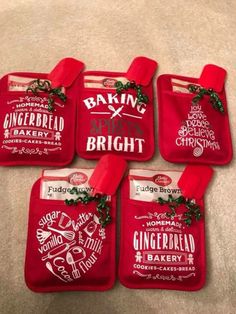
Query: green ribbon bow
point(45, 86)
point(120, 87)
point(102, 206)
point(193, 210)
point(201, 92)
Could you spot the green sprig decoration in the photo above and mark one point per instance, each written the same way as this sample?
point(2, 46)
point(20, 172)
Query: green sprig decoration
point(120, 87)
point(201, 92)
point(192, 212)
point(45, 86)
point(102, 205)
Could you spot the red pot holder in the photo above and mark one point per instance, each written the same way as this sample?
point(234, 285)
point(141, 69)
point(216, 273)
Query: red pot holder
point(115, 112)
point(69, 247)
point(162, 233)
point(37, 116)
point(193, 118)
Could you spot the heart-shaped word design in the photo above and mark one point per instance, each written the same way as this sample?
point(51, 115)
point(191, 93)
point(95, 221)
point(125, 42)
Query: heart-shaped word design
point(69, 248)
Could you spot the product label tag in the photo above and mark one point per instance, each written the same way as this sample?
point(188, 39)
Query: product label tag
point(148, 185)
point(20, 84)
point(57, 184)
point(181, 86)
point(102, 81)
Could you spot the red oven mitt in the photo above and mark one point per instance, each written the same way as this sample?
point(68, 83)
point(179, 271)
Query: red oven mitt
point(37, 126)
point(115, 112)
point(68, 248)
point(162, 233)
point(193, 118)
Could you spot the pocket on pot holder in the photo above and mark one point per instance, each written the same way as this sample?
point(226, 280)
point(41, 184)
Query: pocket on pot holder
point(30, 134)
point(67, 247)
point(162, 247)
point(116, 120)
point(192, 131)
